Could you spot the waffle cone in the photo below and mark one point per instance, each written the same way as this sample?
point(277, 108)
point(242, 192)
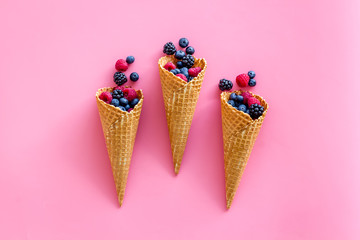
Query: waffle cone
point(119, 129)
point(180, 100)
point(239, 135)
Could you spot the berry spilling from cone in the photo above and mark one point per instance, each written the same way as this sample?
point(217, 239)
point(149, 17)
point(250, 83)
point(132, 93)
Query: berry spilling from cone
point(242, 80)
point(122, 97)
point(183, 68)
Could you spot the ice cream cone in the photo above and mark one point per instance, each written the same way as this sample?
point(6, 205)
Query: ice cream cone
point(119, 129)
point(239, 134)
point(180, 100)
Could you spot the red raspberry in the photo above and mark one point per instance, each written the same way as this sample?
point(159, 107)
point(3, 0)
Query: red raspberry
point(246, 96)
point(129, 94)
point(106, 97)
point(182, 76)
point(194, 71)
point(119, 88)
point(242, 80)
point(121, 65)
point(252, 100)
point(129, 110)
point(169, 66)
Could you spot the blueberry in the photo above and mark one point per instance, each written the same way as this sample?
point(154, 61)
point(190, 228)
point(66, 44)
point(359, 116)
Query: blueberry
point(179, 64)
point(239, 98)
point(122, 108)
point(242, 108)
point(247, 111)
point(190, 50)
point(130, 59)
point(115, 102)
point(233, 96)
point(124, 102)
point(252, 82)
point(183, 42)
point(185, 71)
point(231, 102)
point(134, 102)
point(134, 76)
point(179, 54)
point(127, 106)
point(251, 74)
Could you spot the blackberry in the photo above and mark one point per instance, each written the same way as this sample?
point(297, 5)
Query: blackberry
point(188, 61)
point(117, 94)
point(225, 84)
point(120, 78)
point(169, 48)
point(256, 111)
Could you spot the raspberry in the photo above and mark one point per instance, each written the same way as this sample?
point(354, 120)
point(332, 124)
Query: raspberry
point(120, 78)
point(242, 80)
point(130, 94)
point(252, 100)
point(194, 71)
point(169, 48)
point(121, 65)
point(106, 97)
point(246, 96)
point(256, 111)
point(182, 76)
point(169, 66)
point(225, 84)
point(188, 61)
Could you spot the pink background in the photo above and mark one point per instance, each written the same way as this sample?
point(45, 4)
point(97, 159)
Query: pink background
point(302, 180)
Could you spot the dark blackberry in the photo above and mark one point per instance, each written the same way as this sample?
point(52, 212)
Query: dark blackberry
point(225, 84)
point(169, 48)
point(188, 61)
point(120, 78)
point(256, 111)
point(117, 94)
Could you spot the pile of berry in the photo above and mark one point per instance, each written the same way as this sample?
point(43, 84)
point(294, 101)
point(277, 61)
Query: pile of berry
point(242, 80)
point(121, 66)
point(124, 98)
point(246, 103)
point(185, 61)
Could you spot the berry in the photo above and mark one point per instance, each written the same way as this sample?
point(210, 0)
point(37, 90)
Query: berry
point(175, 71)
point(188, 61)
point(242, 107)
point(123, 102)
point(242, 80)
point(129, 110)
point(169, 48)
point(120, 78)
point(247, 111)
point(233, 96)
point(134, 76)
point(183, 42)
point(119, 88)
point(252, 100)
point(225, 85)
point(134, 102)
point(256, 111)
point(190, 50)
point(122, 108)
point(169, 66)
point(127, 107)
point(182, 76)
point(252, 82)
point(179, 54)
point(194, 71)
point(121, 65)
point(117, 94)
point(251, 74)
point(185, 71)
point(246, 96)
point(231, 102)
point(106, 97)
point(130, 59)
point(115, 102)
point(130, 94)
point(190, 78)
point(179, 64)
point(239, 98)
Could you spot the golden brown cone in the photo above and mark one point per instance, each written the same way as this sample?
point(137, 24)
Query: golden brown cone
point(180, 100)
point(119, 129)
point(239, 135)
